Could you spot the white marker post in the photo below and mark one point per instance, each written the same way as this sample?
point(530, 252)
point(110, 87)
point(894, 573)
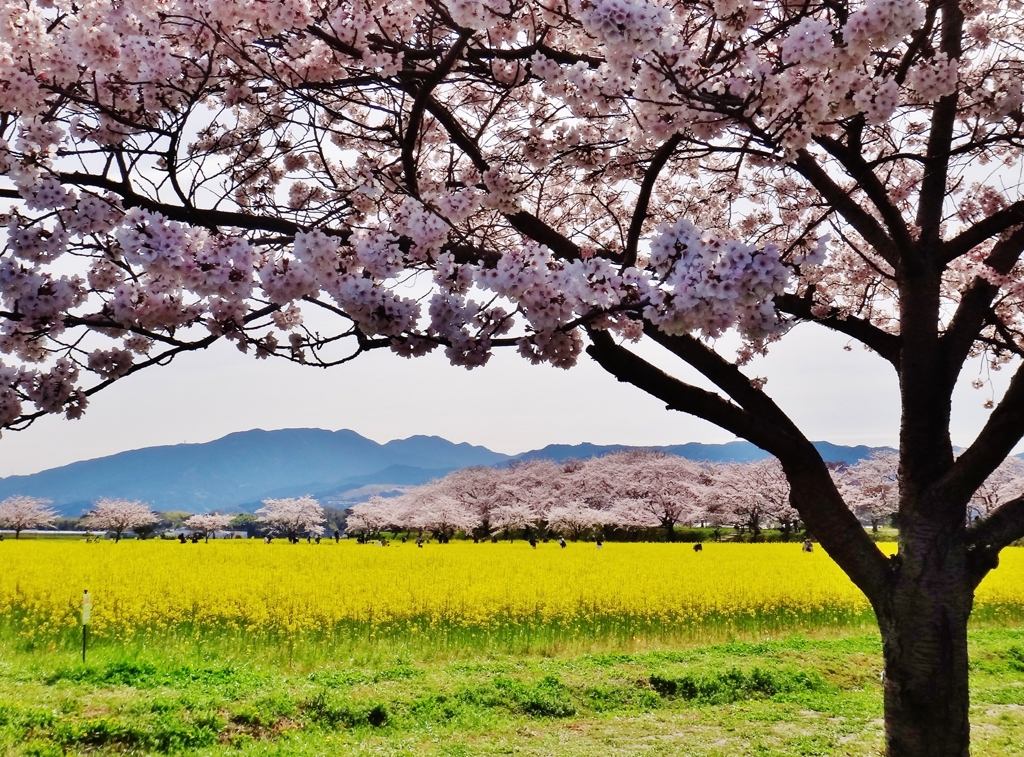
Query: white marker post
point(86, 617)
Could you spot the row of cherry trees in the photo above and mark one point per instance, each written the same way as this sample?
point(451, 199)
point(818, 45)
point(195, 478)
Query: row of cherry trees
point(625, 490)
point(21, 512)
point(639, 490)
point(288, 517)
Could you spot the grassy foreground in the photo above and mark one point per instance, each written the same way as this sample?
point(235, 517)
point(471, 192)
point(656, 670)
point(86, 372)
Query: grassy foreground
point(795, 696)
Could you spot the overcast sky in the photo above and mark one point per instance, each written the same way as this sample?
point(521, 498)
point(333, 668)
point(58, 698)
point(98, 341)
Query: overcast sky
point(846, 397)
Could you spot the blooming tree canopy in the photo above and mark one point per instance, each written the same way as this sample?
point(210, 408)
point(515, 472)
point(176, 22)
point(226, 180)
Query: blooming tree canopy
point(205, 524)
point(574, 518)
point(440, 514)
point(370, 517)
point(118, 515)
point(871, 487)
point(646, 488)
point(478, 490)
point(550, 175)
point(293, 516)
point(20, 512)
point(754, 494)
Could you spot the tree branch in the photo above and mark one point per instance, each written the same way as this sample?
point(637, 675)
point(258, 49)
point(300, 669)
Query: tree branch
point(985, 538)
point(636, 224)
point(193, 216)
point(814, 494)
point(940, 137)
point(525, 223)
point(678, 395)
point(1001, 528)
point(856, 216)
point(975, 303)
point(885, 344)
point(725, 375)
point(422, 96)
point(854, 162)
point(983, 230)
point(1004, 429)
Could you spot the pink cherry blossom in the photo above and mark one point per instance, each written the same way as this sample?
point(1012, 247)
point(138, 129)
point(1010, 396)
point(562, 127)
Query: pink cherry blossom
point(20, 512)
point(118, 516)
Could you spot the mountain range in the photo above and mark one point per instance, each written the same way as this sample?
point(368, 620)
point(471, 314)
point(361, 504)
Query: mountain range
point(340, 468)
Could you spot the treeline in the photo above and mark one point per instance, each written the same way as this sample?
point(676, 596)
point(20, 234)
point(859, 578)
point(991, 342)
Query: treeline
point(641, 495)
point(631, 495)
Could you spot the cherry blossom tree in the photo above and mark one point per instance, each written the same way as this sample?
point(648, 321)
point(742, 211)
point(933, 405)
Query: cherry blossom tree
point(574, 519)
point(369, 518)
point(666, 488)
point(630, 514)
point(479, 490)
point(1004, 484)
point(516, 516)
point(755, 494)
point(553, 176)
point(529, 490)
point(871, 487)
point(119, 515)
point(293, 516)
point(20, 512)
point(439, 513)
point(207, 523)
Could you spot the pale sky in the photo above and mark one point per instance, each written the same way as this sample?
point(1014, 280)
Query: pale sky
point(846, 397)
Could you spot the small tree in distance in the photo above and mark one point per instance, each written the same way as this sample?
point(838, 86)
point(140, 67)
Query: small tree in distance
point(207, 523)
point(871, 487)
point(119, 515)
point(292, 517)
point(20, 512)
point(369, 518)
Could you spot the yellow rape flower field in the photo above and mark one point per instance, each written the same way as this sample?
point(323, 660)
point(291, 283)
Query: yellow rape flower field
point(461, 590)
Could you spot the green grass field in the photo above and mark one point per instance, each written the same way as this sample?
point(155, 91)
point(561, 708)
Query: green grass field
point(795, 696)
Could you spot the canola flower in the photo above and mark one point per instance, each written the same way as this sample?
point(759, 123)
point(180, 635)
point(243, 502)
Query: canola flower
point(253, 588)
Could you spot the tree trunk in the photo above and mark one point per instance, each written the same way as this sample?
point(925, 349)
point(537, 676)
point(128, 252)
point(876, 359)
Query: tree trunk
point(924, 641)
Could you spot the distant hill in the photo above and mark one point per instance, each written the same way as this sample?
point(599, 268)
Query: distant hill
point(338, 467)
point(246, 467)
point(730, 452)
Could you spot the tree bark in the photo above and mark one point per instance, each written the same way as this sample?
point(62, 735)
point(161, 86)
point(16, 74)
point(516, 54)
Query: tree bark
point(670, 530)
point(924, 640)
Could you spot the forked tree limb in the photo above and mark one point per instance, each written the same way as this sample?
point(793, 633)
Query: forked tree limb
point(997, 438)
